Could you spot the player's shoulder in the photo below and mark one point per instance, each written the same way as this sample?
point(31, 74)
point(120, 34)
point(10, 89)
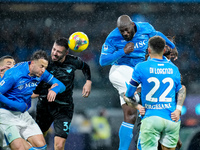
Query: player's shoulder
point(17, 70)
point(141, 65)
point(144, 27)
point(19, 67)
point(72, 59)
point(115, 34)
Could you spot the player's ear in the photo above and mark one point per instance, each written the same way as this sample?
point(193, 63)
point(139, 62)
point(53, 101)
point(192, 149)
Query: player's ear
point(164, 50)
point(67, 52)
point(133, 24)
point(149, 50)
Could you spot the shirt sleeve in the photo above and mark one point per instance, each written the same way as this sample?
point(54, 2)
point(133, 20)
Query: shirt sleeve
point(168, 42)
point(50, 79)
point(86, 71)
point(178, 83)
point(6, 84)
point(109, 53)
point(132, 86)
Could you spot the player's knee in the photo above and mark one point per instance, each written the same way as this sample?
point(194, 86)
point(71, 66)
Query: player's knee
point(59, 145)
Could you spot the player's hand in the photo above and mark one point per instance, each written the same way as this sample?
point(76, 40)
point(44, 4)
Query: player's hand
point(141, 109)
point(52, 86)
point(87, 89)
point(51, 96)
point(3, 68)
point(129, 47)
point(176, 115)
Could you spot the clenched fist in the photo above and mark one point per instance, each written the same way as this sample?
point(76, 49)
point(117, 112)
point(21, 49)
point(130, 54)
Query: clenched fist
point(129, 47)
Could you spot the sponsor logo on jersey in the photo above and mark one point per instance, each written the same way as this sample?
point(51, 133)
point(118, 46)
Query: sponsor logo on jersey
point(140, 44)
point(20, 87)
point(31, 84)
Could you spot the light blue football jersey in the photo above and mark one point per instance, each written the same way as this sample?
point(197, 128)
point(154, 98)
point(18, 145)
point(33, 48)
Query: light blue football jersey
point(160, 81)
point(112, 52)
point(17, 85)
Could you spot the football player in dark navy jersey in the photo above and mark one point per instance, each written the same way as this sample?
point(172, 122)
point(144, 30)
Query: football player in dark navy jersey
point(63, 67)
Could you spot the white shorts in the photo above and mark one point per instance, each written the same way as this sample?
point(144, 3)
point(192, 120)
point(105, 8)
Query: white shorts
point(119, 76)
point(15, 125)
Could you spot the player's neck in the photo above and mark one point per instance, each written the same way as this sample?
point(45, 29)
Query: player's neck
point(156, 56)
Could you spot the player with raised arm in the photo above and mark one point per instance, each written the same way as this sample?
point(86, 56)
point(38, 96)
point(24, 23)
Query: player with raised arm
point(125, 47)
point(63, 66)
point(16, 88)
point(160, 81)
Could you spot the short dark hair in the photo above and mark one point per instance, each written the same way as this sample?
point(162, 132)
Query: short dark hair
point(62, 41)
point(6, 57)
point(157, 44)
point(40, 54)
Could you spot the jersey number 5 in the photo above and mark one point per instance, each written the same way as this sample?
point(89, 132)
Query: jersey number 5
point(162, 97)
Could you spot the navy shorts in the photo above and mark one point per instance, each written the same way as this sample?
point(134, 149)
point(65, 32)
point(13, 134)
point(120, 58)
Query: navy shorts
point(52, 112)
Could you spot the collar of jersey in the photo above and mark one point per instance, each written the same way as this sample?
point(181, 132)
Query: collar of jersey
point(161, 60)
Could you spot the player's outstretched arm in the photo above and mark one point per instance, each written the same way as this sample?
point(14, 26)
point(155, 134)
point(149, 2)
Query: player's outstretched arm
point(20, 106)
point(180, 100)
point(88, 84)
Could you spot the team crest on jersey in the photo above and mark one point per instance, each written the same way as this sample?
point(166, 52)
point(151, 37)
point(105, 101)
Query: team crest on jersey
point(2, 82)
point(105, 47)
point(20, 87)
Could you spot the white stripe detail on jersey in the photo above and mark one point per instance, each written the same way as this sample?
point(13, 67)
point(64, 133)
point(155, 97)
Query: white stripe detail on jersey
point(127, 125)
point(50, 79)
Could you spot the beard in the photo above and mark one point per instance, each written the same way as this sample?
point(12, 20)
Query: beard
point(130, 37)
point(56, 58)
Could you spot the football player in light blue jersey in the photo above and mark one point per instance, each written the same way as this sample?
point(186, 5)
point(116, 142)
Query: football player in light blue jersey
point(125, 47)
point(160, 81)
point(16, 88)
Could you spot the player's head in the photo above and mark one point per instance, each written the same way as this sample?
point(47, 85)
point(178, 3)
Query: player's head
point(156, 46)
point(126, 27)
point(60, 49)
point(39, 63)
point(7, 62)
point(168, 51)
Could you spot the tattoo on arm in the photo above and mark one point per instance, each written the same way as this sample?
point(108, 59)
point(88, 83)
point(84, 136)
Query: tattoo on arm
point(181, 96)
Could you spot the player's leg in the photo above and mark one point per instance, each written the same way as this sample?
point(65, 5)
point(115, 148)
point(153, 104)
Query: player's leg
point(150, 132)
point(14, 139)
point(165, 148)
point(120, 76)
point(30, 131)
point(20, 144)
point(170, 135)
point(44, 118)
point(59, 143)
point(10, 124)
point(62, 120)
